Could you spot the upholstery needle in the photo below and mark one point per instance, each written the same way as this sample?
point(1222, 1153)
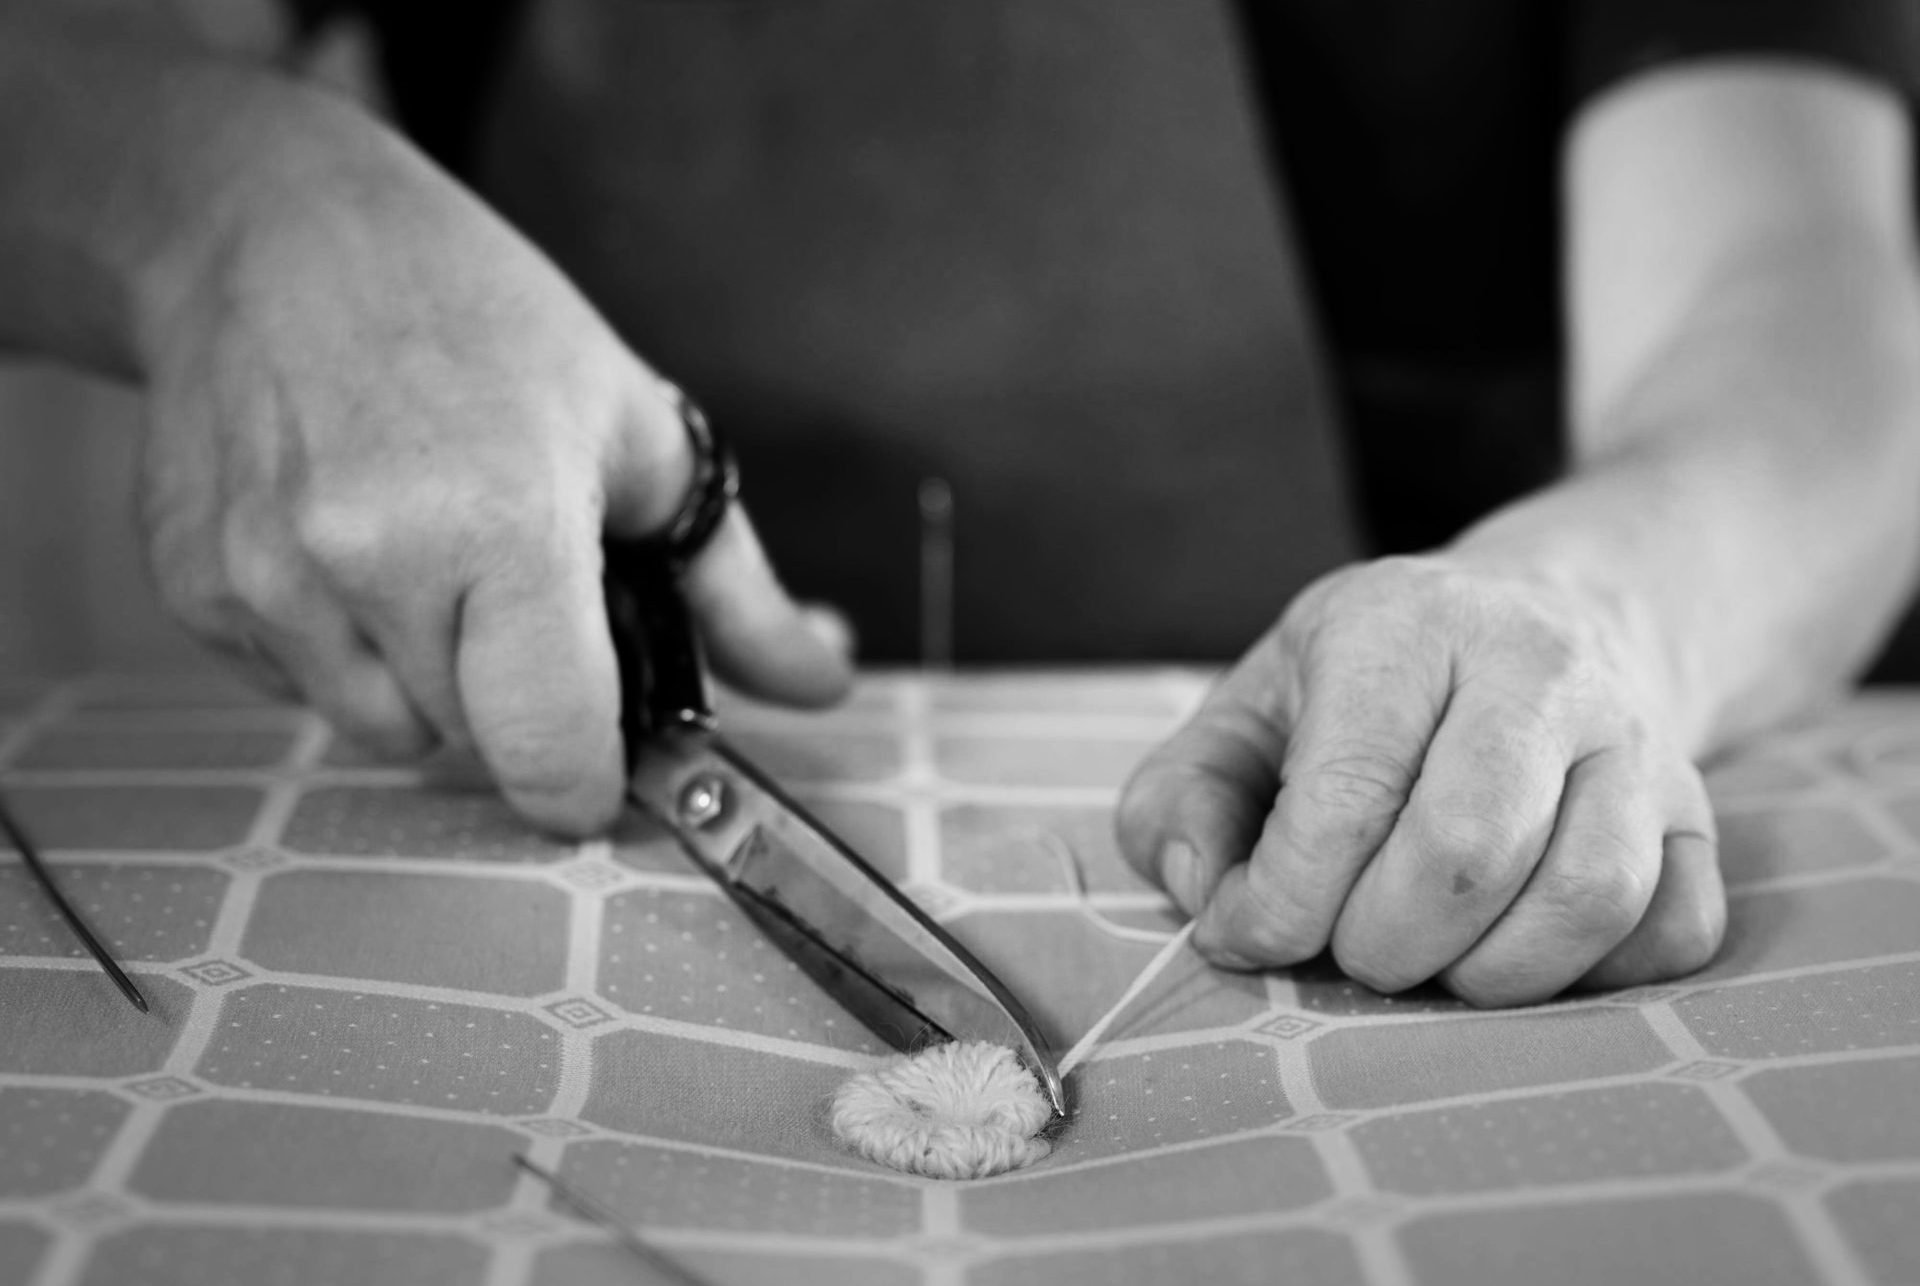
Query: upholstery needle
point(936, 574)
point(593, 1212)
point(31, 856)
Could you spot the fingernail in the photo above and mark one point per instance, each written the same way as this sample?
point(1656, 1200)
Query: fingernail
point(1186, 880)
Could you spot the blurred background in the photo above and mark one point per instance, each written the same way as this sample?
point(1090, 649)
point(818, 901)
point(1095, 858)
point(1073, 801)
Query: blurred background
point(74, 592)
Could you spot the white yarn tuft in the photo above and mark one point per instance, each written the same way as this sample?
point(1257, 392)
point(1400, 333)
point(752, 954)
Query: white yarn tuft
point(969, 1109)
point(964, 1110)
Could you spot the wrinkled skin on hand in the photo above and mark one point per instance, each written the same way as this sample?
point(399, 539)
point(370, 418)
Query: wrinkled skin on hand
point(1442, 771)
point(386, 436)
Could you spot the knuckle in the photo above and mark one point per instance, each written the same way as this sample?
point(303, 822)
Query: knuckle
point(1564, 673)
point(1635, 743)
point(358, 542)
point(1555, 655)
point(1343, 809)
point(1354, 606)
point(1356, 780)
point(1604, 896)
point(342, 536)
point(364, 536)
point(1471, 844)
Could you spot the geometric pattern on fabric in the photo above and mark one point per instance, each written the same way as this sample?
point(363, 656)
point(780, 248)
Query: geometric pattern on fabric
point(372, 986)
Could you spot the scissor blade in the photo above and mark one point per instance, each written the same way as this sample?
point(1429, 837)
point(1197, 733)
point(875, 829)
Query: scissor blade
point(843, 922)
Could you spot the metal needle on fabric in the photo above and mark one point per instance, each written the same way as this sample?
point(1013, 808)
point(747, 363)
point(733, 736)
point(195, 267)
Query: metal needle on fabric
point(17, 836)
point(593, 1212)
point(936, 574)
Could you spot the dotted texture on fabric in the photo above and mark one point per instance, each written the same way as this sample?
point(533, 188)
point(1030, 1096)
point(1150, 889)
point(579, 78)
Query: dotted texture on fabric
point(371, 990)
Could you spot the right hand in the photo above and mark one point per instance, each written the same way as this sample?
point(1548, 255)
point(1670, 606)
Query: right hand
point(386, 436)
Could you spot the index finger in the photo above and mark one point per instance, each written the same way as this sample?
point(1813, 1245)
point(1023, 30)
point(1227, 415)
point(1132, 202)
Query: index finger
point(1352, 760)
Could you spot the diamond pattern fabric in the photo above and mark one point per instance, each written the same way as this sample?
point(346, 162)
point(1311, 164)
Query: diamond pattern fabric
point(372, 987)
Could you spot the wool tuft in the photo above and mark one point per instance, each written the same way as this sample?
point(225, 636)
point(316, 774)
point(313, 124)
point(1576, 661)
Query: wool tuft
point(964, 1110)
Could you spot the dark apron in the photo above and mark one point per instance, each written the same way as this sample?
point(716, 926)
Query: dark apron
point(1030, 247)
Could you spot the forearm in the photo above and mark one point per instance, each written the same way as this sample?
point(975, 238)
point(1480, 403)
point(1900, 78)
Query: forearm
point(1747, 506)
point(127, 153)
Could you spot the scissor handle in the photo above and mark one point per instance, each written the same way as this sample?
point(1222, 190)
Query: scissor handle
point(662, 685)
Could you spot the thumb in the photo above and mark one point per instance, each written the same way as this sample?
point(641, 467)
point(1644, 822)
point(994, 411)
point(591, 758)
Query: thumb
point(1195, 806)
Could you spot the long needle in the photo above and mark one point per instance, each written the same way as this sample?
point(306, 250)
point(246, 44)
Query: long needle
point(936, 574)
point(593, 1212)
point(31, 856)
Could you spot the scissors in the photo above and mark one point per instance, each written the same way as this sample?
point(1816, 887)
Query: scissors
point(842, 922)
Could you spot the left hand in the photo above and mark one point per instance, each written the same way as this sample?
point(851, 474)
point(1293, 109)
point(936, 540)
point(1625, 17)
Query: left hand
point(1443, 769)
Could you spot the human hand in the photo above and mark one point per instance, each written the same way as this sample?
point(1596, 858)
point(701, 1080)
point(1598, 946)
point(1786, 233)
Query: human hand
point(1441, 769)
point(385, 438)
